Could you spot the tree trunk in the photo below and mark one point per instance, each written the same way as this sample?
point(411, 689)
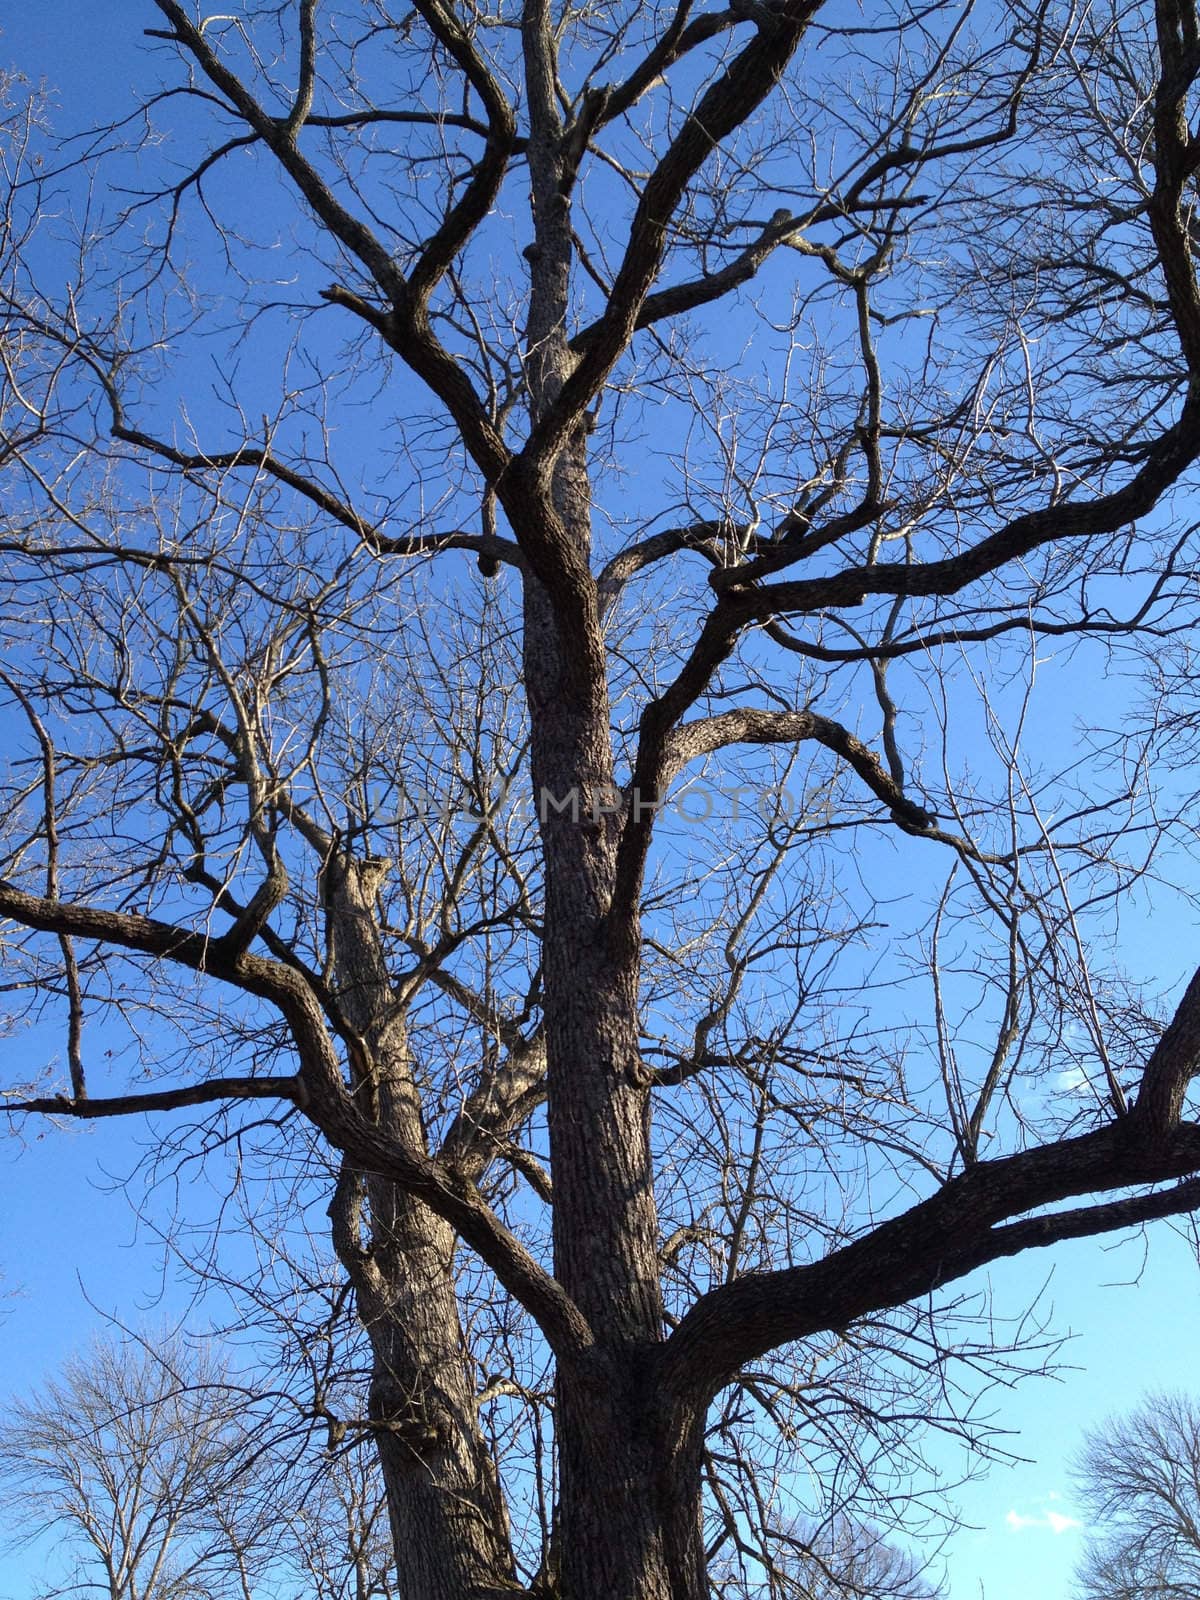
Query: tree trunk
point(629, 1489)
point(444, 1504)
point(445, 1507)
point(629, 1494)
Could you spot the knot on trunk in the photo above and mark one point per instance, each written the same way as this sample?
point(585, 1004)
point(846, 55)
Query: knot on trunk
point(404, 1413)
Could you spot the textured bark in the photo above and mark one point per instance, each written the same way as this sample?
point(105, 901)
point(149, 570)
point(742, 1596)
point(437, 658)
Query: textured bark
point(629, 1496)
point(605, 1233)
point(444, 1502)
point(613, 1541)
point(630, 1503)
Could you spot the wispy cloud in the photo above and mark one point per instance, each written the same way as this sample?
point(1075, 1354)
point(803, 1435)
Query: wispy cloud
point(1074, 1080)
point(1053, 1521)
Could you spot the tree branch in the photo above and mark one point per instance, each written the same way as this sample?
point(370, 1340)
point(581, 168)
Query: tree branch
point(724, 106)
point(127, 1105)
point(484, 184)
point(753, 726)
point(932, 1244)
point(406, 326)
point(503, 1099)
point(323, 1095)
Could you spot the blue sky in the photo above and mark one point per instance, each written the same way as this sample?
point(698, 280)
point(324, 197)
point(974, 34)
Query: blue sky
point(1133, 1305)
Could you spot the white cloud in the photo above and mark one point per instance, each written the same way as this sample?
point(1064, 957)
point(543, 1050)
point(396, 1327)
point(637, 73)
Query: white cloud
point(1054, 1521)
point(1074, 1080)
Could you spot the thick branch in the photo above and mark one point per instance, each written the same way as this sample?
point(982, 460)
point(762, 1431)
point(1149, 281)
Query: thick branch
point(477, 198)
point(1085, 1222)
point(724, 106)
point(502, 1100)
point(1171, 1068)
point(275, 133)
point(679, 38)
point(742, 604)
point(683, 297)
point(700, 536)
point(302, 104)
point(259, 459)
point(1178, 448)
point(934, 1243)
point(406, 324)
point(753, 726)
point(323, 1095)
point(195, 1094)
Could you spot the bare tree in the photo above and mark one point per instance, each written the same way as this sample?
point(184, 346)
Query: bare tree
point(340, 1534)
point(795, 382)
point(140, 1460)
point(835, 1562)
point(1140, 1480)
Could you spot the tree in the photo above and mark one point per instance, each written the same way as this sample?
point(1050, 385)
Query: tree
point(340, 1533)
point(837, 1562)
point(1140, 1480)
point(141, 1463)
point(164, 1476)
point(790, 378)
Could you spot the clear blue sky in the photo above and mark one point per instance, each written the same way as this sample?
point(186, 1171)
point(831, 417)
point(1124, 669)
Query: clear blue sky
point(1135, 1310)
point(68, 1240)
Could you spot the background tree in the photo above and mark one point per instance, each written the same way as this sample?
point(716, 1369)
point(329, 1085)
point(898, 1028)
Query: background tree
point(340, 1538)
point(1140, 1481)
point(141, 1463)
point(787, 378)
point(830, 1563)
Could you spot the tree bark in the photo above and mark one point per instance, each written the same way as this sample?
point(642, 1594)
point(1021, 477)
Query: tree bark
point(444, 1501)
point(613, 1474)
